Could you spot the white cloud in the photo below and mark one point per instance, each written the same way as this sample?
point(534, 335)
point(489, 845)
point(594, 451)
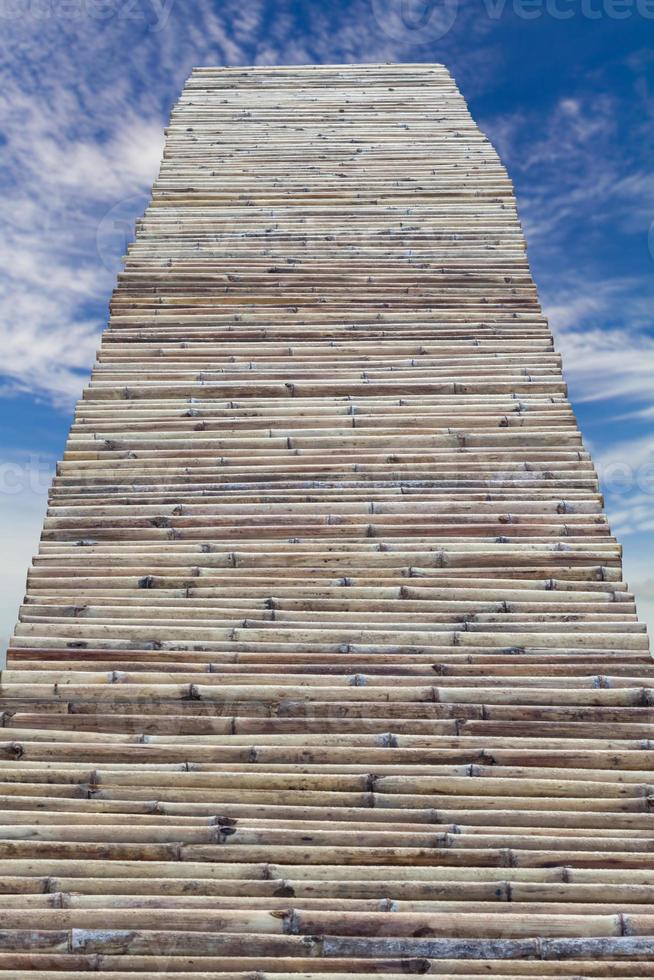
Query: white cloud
point(572, 162)
point(604, 332)
point(575, 179)
point(52, 271)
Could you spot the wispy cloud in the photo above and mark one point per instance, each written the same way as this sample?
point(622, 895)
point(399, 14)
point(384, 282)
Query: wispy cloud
point(579, 186)
point(49, 252)
point(603, 329)
point(576, 162)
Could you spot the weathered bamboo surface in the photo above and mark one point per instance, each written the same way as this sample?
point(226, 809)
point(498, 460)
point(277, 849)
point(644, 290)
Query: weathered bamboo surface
point(326, 665)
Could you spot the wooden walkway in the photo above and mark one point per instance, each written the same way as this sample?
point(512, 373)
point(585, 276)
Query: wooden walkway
point(327, 665)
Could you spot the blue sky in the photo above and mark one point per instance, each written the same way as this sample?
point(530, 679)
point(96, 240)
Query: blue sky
point(564, 88)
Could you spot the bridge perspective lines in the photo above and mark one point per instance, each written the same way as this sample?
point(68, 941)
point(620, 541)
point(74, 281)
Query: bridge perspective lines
point(327, 666)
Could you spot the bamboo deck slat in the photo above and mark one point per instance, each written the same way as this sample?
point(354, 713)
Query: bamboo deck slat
point(326, 665)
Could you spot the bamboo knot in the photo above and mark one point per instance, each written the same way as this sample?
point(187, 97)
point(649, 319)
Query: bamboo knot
point(371, 783)
point(387, 740)
point(291, 921)
point(285, 890)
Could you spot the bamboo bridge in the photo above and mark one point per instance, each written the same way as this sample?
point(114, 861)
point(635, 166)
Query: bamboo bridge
point(326, 666)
